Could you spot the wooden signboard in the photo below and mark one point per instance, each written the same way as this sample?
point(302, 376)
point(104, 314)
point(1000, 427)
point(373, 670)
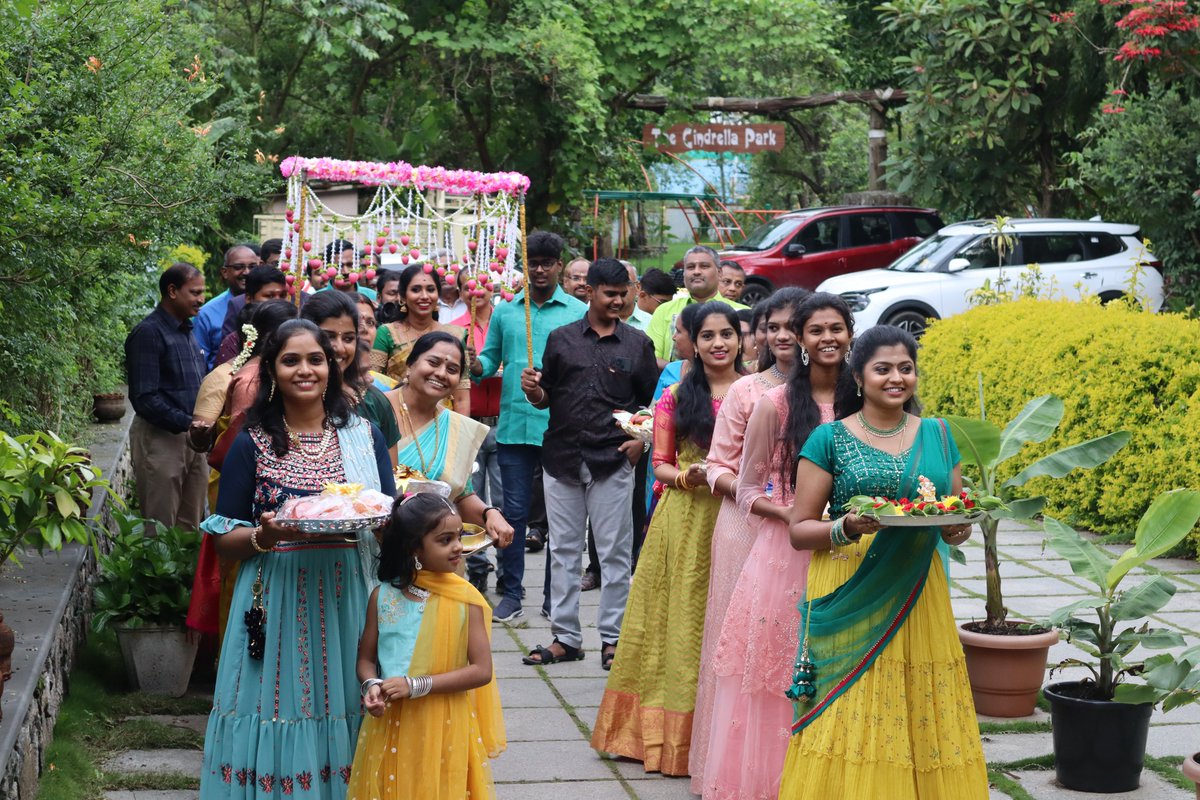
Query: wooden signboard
point(714, 138)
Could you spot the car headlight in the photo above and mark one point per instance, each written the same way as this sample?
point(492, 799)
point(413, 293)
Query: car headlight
point(859, 300)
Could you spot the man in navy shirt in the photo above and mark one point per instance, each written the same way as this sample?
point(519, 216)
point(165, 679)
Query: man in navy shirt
point(165, 366)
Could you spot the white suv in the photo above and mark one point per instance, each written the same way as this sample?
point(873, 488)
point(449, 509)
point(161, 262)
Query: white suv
point(936, 278)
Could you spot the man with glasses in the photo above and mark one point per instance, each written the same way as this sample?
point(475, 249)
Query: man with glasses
point(521, 427)
point(206, 328)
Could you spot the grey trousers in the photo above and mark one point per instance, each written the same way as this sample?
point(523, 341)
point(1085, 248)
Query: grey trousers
point(607, 502)
point(172, 479)
point(486, 480)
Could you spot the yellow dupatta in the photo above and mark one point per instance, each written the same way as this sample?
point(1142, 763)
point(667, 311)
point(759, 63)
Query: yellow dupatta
point(439, 746)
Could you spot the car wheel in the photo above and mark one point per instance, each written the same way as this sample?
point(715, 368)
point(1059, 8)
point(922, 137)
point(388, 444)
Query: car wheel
point(1108, 297)
point(909, 319)
point(755, 293)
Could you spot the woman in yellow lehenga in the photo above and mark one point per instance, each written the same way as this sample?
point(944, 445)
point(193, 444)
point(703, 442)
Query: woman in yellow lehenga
point(648, 704)
point(425, 660)
point(883, 706)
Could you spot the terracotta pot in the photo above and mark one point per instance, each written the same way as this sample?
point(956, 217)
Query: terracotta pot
point(7, 643)
point(1191, 770)
point(108, 407)
point(1006, 671)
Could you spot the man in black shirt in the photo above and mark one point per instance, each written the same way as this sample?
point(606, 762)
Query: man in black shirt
point(590, 368)
point(165, 366)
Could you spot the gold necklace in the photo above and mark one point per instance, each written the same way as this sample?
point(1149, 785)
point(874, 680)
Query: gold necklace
point(316, 453)
point(413, 430)
point(896, 462)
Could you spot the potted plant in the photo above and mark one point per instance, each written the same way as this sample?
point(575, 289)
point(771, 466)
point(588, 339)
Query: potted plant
point(1100, 723)
point(143, 594)
point(45, 488)
point(108, 406)
point(1006, 659)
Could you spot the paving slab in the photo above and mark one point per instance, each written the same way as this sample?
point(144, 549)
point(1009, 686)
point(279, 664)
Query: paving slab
point(526, 693)
point(540, 725)
point(192, 722)
point(570, 760)
point(1043, 786)
point(1005, 747)
point(662, 789)
point(1172, 739)
point(592, 790)
point(583, 693)
point(159, 762)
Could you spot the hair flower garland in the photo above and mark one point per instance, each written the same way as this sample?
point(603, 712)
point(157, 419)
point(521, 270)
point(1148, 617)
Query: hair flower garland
point(251, 334)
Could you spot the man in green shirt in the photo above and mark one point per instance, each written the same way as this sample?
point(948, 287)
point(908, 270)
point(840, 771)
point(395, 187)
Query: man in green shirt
point(521, 427)
point(701, 273)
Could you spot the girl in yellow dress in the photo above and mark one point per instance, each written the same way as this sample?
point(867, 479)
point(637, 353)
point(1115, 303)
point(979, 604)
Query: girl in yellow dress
point(425, 661)
point(883, 706)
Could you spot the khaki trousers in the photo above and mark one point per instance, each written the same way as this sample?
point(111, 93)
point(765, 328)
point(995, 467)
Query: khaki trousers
point(172, 479)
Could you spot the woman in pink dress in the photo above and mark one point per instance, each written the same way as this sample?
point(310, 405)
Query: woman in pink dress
point(733, 534)
point(751, 717)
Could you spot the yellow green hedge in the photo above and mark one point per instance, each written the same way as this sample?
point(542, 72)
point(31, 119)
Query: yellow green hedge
point(1113, 368)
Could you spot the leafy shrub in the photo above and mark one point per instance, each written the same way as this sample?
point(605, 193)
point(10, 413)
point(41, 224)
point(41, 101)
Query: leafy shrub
point(147, 578)
point(45, 488)
point(1114, 368)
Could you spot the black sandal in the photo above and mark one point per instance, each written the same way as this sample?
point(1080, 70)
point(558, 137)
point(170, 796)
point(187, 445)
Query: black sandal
point(607, 656)
point(546, 655)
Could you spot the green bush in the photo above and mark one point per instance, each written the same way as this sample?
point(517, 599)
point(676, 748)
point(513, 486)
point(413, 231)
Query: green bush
point(1114, 369)
point(147, 577)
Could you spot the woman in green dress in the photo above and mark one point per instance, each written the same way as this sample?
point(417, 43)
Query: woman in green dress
point(647, 708)
point(883, 705)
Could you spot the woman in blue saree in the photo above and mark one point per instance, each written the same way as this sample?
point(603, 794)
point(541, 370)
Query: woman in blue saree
point(883, 705)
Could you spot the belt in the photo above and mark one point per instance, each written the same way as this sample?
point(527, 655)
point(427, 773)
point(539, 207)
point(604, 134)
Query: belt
point(489, 421)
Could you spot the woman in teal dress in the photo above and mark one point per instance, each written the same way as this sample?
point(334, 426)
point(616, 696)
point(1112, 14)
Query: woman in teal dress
point(883, 705)
point(286, 711)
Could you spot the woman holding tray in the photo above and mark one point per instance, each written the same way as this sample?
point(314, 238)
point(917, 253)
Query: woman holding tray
point(883, 707)
point(285, 709)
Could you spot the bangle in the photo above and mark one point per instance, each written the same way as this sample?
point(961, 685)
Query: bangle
point(485, 513)
point(838, 536)
point(257, 529)
point(367, 684)
point(419, 686)
point(681, 482)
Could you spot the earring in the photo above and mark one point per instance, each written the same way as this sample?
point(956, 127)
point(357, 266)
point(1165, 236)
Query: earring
point(323, 391)
point(403, 307)
point(859, 391)
point(417, 563)
point(804, 356)
point(271, 396)
point(847, 355)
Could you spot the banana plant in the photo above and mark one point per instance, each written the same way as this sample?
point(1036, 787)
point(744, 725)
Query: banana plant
point(984, 446)
point(1172, 680)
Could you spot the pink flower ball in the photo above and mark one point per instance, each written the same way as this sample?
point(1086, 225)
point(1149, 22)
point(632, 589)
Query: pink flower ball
point(369, 274)
point(287, 254)
point(289, 215)
point(307, 247)
point(385, 230)
point(290, 279)
point(367, 249)
point(472, 245)
point(403, 259)
point(472, 283)
point(380, 241)
point(392, 248)
point(508, 296)
point(415, 252)
point(339, 284)
point(404, 240)
point(352, 277)
point(329, 273)
point(428, 268)
point(296, 227)
point(441, 271)
point(501, 253)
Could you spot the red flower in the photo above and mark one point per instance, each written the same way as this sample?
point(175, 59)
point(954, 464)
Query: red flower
point(305, 780)
point(286, 785)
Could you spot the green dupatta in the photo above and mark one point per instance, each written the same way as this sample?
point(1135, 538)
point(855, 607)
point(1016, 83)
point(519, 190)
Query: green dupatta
point(843, 632)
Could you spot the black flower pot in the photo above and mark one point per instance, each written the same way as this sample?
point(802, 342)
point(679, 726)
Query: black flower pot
point(1099, 745)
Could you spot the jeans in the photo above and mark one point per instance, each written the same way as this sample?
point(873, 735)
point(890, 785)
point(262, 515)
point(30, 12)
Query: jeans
point(570, 504)
point(517, 463)
point(486, 480)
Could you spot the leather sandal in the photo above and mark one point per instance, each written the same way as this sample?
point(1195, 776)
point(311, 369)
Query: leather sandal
point(546, 656)
point(607, 656)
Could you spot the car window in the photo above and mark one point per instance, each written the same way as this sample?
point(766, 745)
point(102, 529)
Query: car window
point(982, 254)
point(1052, 248)
point(922, 225)
point(769, 234)
point(869, 229)
point(1102, 245)
point(819, 235)
point(929, 255)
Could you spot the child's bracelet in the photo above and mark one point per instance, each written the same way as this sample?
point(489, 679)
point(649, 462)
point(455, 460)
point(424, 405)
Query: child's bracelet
point(367, 684)
point(419, 686)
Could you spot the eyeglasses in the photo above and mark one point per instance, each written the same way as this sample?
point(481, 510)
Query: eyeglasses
point(542, 264)
point(658, 301)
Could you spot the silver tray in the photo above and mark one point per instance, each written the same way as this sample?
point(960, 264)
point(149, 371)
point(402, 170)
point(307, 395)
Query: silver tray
point(895, 521)
point(321, 526)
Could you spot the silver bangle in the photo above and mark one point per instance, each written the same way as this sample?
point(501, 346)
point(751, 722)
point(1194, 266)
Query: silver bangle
point(367, 684)
point(419, 686)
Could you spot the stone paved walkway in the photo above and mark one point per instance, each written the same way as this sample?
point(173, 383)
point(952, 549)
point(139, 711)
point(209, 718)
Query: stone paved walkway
point(549, 711)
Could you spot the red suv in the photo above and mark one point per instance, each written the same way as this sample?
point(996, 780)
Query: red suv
point(803, 248)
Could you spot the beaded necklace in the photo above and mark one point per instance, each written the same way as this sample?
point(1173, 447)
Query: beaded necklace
point(317, 453)
point(882, 433)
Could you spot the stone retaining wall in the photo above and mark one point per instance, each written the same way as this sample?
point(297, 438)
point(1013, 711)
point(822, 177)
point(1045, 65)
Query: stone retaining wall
point(47, 601)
